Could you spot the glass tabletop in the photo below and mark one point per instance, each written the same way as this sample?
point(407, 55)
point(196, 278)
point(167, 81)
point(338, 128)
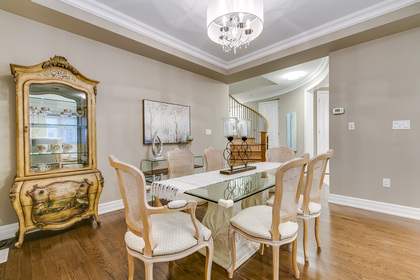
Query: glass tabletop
point(236, 189)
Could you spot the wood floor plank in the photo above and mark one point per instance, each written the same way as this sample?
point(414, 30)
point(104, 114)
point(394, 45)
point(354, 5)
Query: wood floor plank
point(355, 244)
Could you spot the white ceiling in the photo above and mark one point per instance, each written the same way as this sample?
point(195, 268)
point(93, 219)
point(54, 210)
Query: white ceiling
point(182, 23)
point(178, 28)
point(174, 32)
point(314, 74)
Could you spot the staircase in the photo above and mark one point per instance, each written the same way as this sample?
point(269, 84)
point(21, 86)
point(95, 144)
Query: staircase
point(257, 141)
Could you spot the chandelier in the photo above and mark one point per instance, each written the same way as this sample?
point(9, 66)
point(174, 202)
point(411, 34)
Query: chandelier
point(234, 23)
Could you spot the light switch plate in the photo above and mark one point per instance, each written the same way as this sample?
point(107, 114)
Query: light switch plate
point(404, 124)
point(208, 131)
point(351, 125)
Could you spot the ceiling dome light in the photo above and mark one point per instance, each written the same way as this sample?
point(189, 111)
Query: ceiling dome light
point(234, 23)
point(293, 75)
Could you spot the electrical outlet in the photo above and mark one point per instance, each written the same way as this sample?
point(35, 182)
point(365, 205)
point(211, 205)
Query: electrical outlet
point(351, 125)
point(208, 131)
point(386, 183)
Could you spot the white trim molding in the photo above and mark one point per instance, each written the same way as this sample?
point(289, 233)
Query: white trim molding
point(376, 206)
point(8, 231)
point(100, 10)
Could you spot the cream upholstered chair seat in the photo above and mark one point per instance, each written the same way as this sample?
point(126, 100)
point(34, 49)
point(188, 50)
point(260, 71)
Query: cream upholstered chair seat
point(173, 233)
point(314, 208)
point(158, 234)
point(257, 220)
point(274, 225)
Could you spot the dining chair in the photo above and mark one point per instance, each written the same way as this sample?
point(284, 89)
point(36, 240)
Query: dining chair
point(158, 234)
point(213, 159)
point(181, 163)
point(279, 154)
point(309, 202)
point(275, 225)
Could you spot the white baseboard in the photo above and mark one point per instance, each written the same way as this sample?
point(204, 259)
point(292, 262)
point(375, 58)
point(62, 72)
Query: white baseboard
point(8, 231)
point(110, 206)
point(376, 206)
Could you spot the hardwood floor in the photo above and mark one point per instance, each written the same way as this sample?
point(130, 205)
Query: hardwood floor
point(356, 244)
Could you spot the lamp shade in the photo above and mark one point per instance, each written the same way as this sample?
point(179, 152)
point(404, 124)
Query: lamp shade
point(218, 12)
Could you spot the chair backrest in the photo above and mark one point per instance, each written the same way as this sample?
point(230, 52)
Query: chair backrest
point(315, 178)
point(132, 187)
point(213, 159)
point(279, 154)
point(180, 163)
point(289, 177)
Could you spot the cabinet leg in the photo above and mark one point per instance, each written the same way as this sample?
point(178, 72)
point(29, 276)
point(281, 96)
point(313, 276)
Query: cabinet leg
point(98, 221)
point(18, 244)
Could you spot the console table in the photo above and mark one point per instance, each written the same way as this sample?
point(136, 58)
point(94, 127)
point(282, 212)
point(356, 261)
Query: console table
point(157, 167)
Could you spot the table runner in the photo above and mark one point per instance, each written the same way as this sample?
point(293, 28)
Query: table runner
point(169, 189)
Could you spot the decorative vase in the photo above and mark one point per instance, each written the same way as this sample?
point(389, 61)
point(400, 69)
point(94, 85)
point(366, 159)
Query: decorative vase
point(157, 147)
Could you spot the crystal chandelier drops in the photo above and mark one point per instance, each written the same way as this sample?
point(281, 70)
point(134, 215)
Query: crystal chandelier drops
point(234, 23)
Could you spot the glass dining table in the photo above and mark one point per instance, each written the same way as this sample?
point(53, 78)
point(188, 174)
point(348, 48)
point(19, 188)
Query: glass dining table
point(227, 195)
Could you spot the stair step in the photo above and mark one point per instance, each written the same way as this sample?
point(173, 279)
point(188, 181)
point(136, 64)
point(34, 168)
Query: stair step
point(238, 140)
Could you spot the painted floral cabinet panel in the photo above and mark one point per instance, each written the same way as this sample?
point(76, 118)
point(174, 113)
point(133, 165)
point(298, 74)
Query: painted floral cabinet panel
point(57, 181)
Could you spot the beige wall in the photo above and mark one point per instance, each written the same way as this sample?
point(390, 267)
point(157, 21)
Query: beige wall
point(377, 82)
point(126, 79)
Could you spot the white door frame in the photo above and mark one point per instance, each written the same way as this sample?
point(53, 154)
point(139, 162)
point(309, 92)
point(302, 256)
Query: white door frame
point(273, 120)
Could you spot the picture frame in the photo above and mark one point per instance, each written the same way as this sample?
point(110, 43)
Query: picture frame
point(170, 122)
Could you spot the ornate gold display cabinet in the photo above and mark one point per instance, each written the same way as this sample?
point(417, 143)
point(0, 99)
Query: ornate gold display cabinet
point(57, 181)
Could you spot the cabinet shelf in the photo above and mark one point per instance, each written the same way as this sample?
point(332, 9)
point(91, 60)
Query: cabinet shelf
point(63, 153)
point(44, 125)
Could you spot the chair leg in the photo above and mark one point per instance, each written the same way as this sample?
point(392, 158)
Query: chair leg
point(232, 246)
point(209, 260)
point(305, 238)
point(149, 270)
point(316, 232)
point(157, 201)
point(261, 249)
point(276, 260)
point(294, 256)
point(130, 267)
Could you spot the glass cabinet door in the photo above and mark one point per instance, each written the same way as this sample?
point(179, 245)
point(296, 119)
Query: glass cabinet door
point(58, 127)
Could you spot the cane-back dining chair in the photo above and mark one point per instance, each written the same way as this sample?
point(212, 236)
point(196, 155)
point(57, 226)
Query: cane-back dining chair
point(279, 154)
point(275, 225)
point(181, 163)
point(158, 234)
point(213, 159)
point(309, 202)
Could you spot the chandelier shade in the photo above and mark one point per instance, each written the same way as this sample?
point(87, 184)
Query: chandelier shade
point(234, 23)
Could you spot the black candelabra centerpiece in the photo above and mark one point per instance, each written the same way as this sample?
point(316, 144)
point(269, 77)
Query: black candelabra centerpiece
point(233, 154)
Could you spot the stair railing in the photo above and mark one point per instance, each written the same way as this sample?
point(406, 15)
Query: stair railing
point(259, 124)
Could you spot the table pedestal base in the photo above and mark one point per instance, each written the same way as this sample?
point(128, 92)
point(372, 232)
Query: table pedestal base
point(217, 219)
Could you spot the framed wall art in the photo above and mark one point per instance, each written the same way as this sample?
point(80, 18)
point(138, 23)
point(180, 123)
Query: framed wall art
point(170, 122)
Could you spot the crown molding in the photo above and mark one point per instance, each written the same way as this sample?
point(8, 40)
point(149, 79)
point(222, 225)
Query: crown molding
point(100, 10)
point(97, 9)
point(319, 74)
point(325, 29)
